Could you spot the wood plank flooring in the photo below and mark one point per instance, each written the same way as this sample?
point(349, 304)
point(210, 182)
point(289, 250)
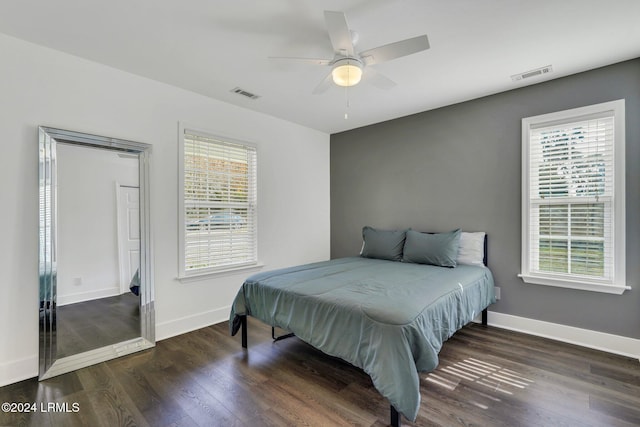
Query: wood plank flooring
point(93, 324)
point(486, 377)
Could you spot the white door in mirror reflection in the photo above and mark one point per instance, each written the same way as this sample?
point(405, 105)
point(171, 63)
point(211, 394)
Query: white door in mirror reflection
point(128, 234)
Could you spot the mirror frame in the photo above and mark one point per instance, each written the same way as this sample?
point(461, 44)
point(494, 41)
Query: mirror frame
point(50, 364)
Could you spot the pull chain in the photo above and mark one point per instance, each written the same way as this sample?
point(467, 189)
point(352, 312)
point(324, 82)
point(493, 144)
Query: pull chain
point(346, 97)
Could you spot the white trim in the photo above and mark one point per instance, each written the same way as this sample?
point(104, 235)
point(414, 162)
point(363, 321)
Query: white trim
point(194, 277)
point(22, 369)
point(181, 231)
point(573, 284)
point(88, 296)
point(119, 226)
point(616, 344)
point(616, 285)
point(18, 370)
point(183, 128)
point(190, 323)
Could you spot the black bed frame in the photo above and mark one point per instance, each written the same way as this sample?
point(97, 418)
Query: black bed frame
point(395, 415)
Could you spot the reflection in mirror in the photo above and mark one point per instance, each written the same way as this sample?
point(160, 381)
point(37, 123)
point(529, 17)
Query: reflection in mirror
point(96, 295)
point(94, 304)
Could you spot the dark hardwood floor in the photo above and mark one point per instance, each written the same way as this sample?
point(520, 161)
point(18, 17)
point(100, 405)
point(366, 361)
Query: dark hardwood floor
point(487, 377)
point(93, 324)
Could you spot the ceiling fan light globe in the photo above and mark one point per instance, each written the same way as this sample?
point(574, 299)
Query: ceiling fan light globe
point(346, 74)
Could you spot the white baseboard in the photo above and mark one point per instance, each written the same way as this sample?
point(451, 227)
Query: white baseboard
point(615, 344)
point(87, 296)
point(190, 323)
point(18, 370)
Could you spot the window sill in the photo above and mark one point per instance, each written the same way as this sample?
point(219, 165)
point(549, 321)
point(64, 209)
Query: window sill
point(575, 284)
point(219, 273)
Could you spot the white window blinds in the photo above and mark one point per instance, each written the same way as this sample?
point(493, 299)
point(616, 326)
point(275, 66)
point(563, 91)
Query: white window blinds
point(570, 176)
point(219, 203)
point(571, 167)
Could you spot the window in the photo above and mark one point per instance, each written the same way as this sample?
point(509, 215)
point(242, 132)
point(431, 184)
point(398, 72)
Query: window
point(218, 197)
point(573, 192)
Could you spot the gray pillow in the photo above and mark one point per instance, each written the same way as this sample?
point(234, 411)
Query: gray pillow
point(436, 249)
point(382, 244)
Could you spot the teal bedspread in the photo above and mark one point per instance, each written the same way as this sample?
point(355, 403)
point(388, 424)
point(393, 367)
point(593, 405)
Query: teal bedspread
point(388, 318)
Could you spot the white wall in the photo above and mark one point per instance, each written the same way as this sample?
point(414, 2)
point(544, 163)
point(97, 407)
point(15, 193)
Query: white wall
point(39, 86)
point(87, 255)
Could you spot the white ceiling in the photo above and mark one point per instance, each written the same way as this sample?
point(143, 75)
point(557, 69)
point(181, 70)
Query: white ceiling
point(213, 46)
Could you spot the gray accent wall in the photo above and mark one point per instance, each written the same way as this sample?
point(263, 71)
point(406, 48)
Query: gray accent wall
point(460, 166)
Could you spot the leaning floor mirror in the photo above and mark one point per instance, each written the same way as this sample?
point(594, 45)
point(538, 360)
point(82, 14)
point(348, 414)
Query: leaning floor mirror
point(95, 264)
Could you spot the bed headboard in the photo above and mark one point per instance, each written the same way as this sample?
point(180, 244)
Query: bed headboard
point(484, 259)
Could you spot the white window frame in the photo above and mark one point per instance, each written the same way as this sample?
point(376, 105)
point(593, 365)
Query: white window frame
point(617, 283)
point(185, 273)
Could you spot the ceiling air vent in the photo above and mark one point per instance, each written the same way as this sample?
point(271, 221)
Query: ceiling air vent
point(243, 92)
point(532, 73)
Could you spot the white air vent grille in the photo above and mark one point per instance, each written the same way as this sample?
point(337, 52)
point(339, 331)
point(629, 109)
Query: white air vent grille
point(532, 73)
point(243, 92)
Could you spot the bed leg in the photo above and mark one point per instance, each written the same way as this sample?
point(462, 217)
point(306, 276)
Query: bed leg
point(395, 417)
point(243, 322)
point(484, 317)
point(281, 337)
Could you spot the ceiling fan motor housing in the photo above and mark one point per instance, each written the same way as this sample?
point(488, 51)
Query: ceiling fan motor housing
point(347, 71)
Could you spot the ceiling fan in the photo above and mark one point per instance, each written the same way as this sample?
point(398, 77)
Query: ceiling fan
point(347, 65)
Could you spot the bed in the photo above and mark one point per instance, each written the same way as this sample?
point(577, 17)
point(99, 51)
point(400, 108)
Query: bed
point(382, 311)
point(134, 285)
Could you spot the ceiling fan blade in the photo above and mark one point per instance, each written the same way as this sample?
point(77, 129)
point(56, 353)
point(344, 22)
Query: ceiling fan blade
point(379, 80)
point(316, 61)
point(324, 85)
point(339, 32)
point(395, 50)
